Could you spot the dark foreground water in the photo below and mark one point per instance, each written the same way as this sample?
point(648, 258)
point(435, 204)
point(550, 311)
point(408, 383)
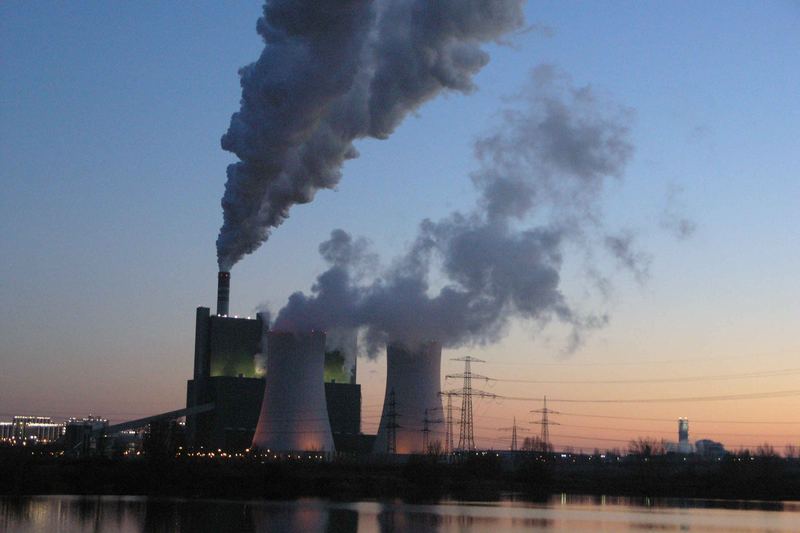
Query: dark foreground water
point(54, 514)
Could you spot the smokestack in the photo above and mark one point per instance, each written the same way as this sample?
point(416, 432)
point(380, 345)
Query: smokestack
point(223, 292)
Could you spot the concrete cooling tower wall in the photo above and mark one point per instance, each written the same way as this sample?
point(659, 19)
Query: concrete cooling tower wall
point(294, 415)
point(414, 374)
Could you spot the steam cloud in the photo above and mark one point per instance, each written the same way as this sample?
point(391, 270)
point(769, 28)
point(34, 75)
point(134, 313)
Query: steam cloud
point(334, 71)
point(539, 180)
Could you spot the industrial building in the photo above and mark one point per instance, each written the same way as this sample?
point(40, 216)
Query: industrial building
point(225, 375)
point(710, 448)
point(84, 436)
point(30, 430)
point(342, 393)
point(230, 374)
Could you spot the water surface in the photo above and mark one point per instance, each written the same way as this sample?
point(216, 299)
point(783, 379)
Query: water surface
point(73, 514)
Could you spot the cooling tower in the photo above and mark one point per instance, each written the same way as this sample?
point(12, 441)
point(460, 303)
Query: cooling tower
point(412, 386)
point(294, 415)
point(223, 292)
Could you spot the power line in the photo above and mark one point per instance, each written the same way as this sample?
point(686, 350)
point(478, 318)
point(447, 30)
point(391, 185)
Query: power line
point(714, 377)
point(751, 396)
point(606, 439)
point(661, 432)
point(703, 421)
point(643, 362)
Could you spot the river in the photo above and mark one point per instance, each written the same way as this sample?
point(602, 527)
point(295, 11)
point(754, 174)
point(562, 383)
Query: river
point(134, 514)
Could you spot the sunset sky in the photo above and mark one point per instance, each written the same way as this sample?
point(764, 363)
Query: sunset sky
point(110, 121)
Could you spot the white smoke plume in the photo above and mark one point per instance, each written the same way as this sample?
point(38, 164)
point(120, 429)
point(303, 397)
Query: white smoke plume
point(540, 177)
point(334, 71)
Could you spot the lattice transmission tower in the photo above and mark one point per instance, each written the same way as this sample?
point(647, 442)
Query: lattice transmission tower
point(448, 419)
point(545, 423)
point(514, 429)
point(466, 437)
point(391, 425)
point(426, 428)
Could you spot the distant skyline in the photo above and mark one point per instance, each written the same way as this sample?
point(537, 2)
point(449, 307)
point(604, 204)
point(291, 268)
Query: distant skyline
point(110, 122)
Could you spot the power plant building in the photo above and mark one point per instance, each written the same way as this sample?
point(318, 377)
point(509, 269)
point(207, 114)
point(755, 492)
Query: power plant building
point(229, 371)
point(342, 393)
point(225, 375)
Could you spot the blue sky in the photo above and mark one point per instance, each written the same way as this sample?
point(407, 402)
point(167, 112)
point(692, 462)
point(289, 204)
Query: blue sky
point(112, 173)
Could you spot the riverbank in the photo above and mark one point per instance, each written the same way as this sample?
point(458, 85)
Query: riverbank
point(476, 477)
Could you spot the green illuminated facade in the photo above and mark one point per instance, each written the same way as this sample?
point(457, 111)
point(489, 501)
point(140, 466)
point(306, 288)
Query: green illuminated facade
point(225, 374)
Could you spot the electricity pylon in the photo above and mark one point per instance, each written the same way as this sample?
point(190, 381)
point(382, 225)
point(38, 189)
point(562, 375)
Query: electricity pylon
point(545, 423)
point(466, 437)
point(513, 429)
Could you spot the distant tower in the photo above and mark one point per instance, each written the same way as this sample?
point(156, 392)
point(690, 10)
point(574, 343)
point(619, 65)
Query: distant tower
point(545, 423)
point(426, 431)
point(683, 436)
point(448, 439)
point(514, 435)
point(514, 429)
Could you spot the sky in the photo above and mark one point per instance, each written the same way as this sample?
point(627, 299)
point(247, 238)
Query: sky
point(111, 169)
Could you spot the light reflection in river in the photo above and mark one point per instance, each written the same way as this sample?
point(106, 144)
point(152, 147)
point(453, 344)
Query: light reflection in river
point(72, 514)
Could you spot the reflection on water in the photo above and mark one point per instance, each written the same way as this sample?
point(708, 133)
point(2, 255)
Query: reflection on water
point(68, 514)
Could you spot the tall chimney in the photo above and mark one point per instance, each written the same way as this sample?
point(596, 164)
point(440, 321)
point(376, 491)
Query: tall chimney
point(223, 292)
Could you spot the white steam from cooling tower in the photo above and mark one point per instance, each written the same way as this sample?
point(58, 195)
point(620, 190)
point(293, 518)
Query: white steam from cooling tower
point(413, 375)
point(294, 414)
point(541, 175)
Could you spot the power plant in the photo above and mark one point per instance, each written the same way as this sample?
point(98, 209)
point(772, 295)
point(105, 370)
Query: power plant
point(293, 393)
point(412, 395)
point(230, 375)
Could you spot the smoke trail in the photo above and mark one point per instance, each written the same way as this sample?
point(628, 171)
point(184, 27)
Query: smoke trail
point(638, 262)
point(544, 167)
point(334, 71)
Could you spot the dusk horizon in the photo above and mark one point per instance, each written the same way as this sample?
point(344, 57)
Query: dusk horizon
point(600, 202)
